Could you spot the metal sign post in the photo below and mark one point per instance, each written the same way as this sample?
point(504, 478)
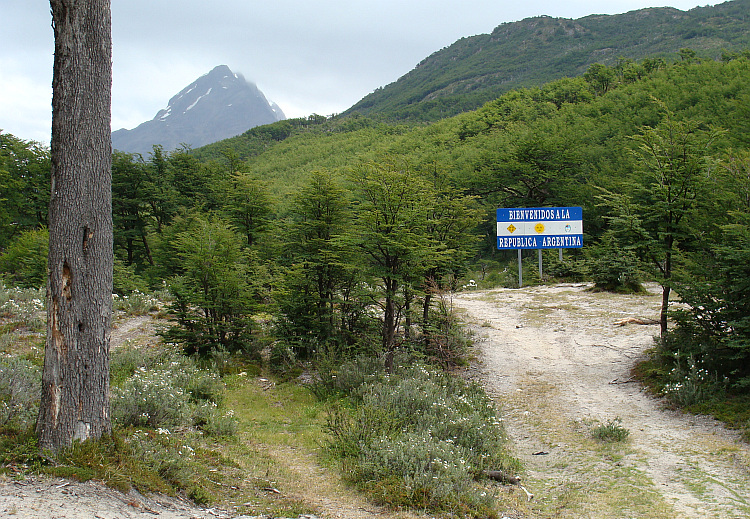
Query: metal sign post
point(540, 263)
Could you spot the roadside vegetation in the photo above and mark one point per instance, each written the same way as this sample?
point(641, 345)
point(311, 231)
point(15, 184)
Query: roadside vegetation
point(415, 437)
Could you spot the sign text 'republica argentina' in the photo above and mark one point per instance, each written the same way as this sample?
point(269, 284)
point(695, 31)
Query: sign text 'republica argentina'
point(540, 228)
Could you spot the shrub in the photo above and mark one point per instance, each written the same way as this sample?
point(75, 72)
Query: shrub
point(172, 394)
point(214, 421)
point(341, 380)
point(172, 458)
point(125, 280)
point(25, 305)
point(21, 450)
point(613, 267)
point(282, 358)
point(689, 383)
point(353, 429)
point(445, 341)
point(151, 461)
point(20, 388)
point(568, 270)
point(418, 438)
point(150, 398)
point(447, 408)
point(135, 303)
point(422, 472)
point(124, 361)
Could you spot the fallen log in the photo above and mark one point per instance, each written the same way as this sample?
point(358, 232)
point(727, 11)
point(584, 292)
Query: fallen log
point(504, 477)
point(635, 320)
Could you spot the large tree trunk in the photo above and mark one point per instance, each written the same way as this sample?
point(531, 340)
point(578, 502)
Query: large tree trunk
point(75, 380)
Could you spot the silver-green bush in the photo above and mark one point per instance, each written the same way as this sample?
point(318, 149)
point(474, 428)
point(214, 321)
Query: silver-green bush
point(424, 433)
point(175, 393)
point(24, 305)
point(20, 387)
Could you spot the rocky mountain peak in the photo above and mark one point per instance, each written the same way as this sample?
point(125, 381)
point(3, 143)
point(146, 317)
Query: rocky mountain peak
point(216, 106)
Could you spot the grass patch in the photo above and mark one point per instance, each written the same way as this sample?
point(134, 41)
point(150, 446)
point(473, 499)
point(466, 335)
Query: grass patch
point(611, 431)
point(281, 414)
point(733, 410)
point(279, 435)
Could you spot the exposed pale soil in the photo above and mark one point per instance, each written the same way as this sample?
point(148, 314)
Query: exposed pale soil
point(54, 498)
point(557, 364)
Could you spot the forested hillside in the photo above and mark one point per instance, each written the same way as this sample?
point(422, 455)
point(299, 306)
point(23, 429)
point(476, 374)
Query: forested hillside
point(537, 50)
point(655, 153)
point(597, 141)
point(324, 240)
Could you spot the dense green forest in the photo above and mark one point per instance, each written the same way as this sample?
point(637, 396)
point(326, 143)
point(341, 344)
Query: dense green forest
point(339, 235)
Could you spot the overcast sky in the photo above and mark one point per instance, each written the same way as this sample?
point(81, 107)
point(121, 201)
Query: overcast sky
point(308, 56)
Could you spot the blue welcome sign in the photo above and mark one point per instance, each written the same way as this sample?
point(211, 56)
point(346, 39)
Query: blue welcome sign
point(540, 228)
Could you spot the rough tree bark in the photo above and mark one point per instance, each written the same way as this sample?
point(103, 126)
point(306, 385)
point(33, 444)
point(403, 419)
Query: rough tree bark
point(75, 380)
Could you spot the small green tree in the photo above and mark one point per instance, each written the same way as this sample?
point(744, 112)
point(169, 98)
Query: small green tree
point(451, 222)
point(390, 232)
point(24, 186)
point(613, 267)
point(195, 182)
point(130, 209)
point(313, 299)
point(248, 205)
point(600, 77)
point(653, 212)
point(213, 295)
point(159, 188)
point(714, 329)
point(24, 261)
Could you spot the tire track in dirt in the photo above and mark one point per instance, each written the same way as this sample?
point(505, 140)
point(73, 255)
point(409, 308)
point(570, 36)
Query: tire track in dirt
point(557, 363)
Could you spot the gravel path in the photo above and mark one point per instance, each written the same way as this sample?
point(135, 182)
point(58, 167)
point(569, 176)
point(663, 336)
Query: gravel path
point(559, 363)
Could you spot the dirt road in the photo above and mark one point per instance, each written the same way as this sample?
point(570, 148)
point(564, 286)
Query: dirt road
point(558, 364)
